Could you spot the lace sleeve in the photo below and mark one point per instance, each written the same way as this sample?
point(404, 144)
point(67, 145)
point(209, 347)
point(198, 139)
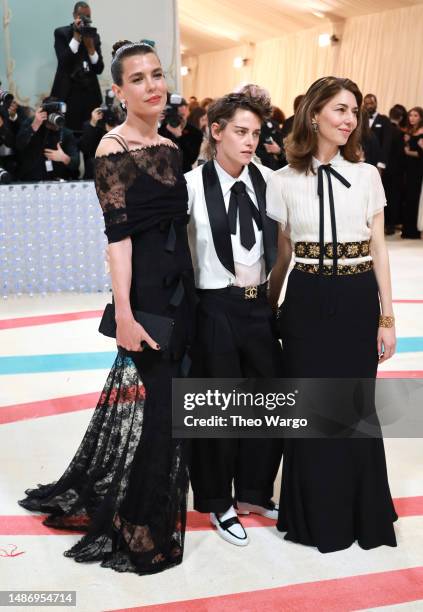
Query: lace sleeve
point(113, 173)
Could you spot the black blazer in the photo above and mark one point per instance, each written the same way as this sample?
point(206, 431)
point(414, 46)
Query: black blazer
point(68, 64)
point(382, 128)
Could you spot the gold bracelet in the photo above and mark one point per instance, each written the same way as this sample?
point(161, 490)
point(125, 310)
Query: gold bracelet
point(386, 321)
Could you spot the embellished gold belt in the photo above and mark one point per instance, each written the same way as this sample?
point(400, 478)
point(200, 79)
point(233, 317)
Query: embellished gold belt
point(345, 250)
point(342, 270)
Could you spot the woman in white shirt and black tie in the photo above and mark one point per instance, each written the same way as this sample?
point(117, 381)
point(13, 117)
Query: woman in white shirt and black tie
point(336, 320)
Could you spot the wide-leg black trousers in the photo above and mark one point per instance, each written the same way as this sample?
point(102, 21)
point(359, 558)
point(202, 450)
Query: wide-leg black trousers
point(236, 338)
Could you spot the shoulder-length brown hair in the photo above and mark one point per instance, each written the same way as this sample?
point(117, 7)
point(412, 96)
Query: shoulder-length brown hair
point(301, 144)
point(419, 111)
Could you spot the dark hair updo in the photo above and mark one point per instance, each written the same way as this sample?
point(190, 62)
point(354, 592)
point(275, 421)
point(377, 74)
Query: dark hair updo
point(126, 48)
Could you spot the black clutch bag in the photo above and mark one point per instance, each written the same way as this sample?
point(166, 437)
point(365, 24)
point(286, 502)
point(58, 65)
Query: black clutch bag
point(158, 327)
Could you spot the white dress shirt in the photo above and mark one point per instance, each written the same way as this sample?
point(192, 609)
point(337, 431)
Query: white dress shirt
point(250, 268)
point(292, 200)
point(74, 46)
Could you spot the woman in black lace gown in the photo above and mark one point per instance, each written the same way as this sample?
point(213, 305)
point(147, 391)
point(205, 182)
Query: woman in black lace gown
point(127, 484)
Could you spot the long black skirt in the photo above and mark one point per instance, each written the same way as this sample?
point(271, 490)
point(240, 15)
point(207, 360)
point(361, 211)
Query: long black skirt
point(127, 484)
point(334, 491)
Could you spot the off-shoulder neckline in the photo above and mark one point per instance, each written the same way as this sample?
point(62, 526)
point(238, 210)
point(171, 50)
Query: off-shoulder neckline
point(142, 148)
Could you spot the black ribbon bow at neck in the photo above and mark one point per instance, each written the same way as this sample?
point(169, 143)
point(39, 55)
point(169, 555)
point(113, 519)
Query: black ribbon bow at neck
point(241, 202)
point(328, 170)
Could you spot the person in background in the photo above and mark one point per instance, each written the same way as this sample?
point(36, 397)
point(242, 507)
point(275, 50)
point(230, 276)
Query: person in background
point(190, 140)
point(79, 62)
point(369, 142)
point(381, 126)
point(193, 103)
point(278, 116)
point(198, 118)
point(403, 116)
point(47, 149)
point(205, 103)
point(393, 176)
point(270, 148)
point(287, 126)
point(93, 132)
point(413, 172)
point(7, 141)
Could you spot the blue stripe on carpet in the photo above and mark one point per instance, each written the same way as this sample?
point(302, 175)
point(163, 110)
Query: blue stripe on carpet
point(32, 364)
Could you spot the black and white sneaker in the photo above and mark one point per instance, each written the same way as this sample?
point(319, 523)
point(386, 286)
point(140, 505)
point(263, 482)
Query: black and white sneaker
point(270, 511)
point(230, 529)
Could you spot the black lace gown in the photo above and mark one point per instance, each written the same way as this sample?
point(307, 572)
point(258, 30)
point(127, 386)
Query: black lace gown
point(127, 484)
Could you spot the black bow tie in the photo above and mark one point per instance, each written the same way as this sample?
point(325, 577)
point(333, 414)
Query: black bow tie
point(241, 201)
point(328, 170)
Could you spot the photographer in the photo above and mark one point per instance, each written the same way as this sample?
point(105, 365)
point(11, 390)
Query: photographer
point(78, 51)
point(7, 136)
point(270, 149)
point(176, 127)
point(103, 119)
point(48, 149)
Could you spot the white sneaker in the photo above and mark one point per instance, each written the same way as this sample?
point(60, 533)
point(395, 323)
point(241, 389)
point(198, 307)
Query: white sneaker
point(230, 529)
point(270, 511)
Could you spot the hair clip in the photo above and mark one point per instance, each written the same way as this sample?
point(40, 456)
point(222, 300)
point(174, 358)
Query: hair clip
point(149, 43)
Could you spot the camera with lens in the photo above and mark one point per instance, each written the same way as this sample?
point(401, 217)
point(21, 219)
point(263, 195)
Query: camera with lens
point(5, 177)
point(171, 111)
point(6, 99)
point(269, 132)
point(56, 112)
point(85, 28)
point(110, 114)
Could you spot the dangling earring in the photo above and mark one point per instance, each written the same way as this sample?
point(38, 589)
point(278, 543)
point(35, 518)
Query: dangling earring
point(123, 103)
point(315, 125)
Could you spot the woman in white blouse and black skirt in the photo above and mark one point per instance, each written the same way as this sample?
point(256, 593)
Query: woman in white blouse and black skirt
point(336, 320)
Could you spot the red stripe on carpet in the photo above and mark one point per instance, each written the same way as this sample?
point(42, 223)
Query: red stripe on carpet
point(29, 524)
point(43, 408)
point(336, 595)
point(409, 506)
point(408, 301)
point(73, 403)
point(400, 374)
point(48, 319)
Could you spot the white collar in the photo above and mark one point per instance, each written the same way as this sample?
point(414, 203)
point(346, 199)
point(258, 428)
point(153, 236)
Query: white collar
point(337, 160)
point(226, 180)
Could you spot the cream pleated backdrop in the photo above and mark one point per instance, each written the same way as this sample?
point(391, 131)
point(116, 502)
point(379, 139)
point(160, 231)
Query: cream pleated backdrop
point(287, 66)
point(381, 52)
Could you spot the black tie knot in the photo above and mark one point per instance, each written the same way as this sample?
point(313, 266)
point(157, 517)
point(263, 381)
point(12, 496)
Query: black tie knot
point(238, 188)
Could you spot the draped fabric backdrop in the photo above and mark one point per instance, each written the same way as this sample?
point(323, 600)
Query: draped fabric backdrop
point(381, 52)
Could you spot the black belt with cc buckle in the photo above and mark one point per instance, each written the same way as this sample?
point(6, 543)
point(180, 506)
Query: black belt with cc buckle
point(246, 293)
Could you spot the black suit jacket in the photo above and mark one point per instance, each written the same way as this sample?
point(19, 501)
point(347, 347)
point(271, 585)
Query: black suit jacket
point(68, 64)
point(382, 128)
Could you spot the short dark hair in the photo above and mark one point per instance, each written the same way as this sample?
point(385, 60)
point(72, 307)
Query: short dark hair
point(79, 5)
point(123, 49)
point(403, 111)
point(301, 144)
point(396, 114)
point(195, 116)
point(222, 110)
point(370, 95)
